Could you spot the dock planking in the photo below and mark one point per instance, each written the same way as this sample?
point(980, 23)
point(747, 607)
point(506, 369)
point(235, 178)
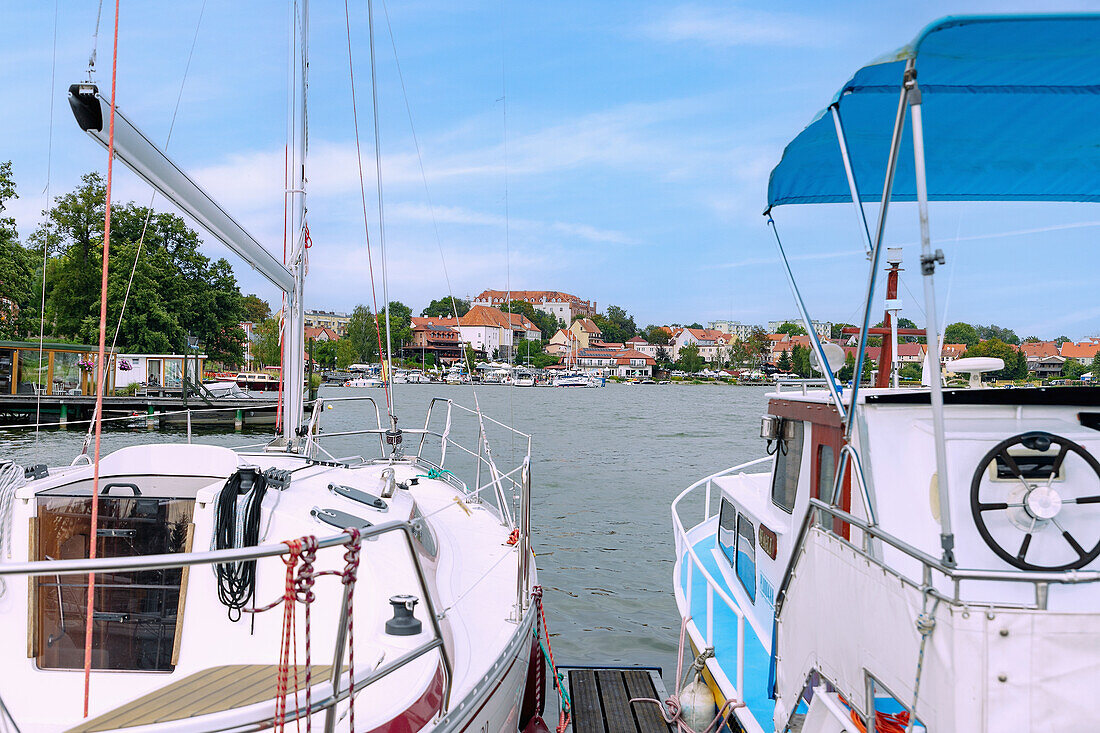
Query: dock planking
point(601, 700)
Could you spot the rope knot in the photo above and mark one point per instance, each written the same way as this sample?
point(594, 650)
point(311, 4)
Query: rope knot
point(351, 556)
point(303, 587)
point(926, 623)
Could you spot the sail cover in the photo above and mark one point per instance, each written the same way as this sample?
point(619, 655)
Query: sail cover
point(1011, 109)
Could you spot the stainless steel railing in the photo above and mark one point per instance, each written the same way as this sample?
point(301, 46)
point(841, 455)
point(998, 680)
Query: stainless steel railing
point(179, 560)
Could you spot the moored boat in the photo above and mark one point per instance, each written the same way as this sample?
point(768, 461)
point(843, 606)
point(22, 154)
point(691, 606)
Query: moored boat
point(915, 559)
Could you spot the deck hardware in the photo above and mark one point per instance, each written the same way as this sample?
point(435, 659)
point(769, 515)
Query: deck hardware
point(390, 483)
point(1004, 632)
point(403, 623)
point(362, 497)
point(278, 479)
point(37, 471)
point(1002, 678)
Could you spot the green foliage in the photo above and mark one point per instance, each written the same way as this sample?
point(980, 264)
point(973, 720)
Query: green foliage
point(1061, 340)
point(849, 368)
point(662, 356)
point(695, 325)
point(533, 353)
point(1073, 369)
point(621, 325)
point(655, 335)
point(961, 333)
point(1032, 340)
point(176, 291)
point(362, 336)
point(1094, 366)
point(910, 372)
point(324, 354)
point(446, 308)
point(1015, 361)
point(792, 329)
point(784, 362)
point(547, 323)
point(267, 350)
point(868, 370)
point(758, 344)
point(689, 360)
point(991, 331)
point(800, 361)
point(836, 332)
point(345, 354)
point(256, 309)
point(400, 318)
point(19, 271)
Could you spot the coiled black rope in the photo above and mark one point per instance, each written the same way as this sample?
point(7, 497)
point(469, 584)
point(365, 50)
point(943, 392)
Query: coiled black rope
point(237, 580)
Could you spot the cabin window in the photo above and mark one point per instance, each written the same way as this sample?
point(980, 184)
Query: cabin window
point(826, 476)
point(746, 555)
point(727, 530)
point(136, 613)
point(788, 460)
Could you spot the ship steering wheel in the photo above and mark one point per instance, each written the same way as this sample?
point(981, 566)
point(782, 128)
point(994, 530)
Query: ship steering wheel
point(1034, 504)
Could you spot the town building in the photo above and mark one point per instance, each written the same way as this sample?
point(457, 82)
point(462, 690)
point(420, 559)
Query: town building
point(1083, 351)
point(585, 331)
point(321, 333)
point(158, 370)
point(491, 331)
point(739, 331)
point(27, 367)
point(628, 363)
point(823, 329)
point(563, 306)
point(434, 335)
point(713, 345)
point(334, 320)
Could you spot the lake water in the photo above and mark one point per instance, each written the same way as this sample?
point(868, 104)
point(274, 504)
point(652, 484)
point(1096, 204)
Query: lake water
point(606, 464)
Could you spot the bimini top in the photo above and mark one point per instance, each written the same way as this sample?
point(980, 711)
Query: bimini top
point(1011, 106)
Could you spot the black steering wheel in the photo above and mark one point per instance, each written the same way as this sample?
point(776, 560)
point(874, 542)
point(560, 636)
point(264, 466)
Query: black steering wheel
point(1033, 504)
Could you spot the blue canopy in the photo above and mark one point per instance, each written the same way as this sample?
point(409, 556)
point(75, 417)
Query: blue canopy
point(1011, 110)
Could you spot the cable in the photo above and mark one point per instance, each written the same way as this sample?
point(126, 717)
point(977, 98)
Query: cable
point(237, 524)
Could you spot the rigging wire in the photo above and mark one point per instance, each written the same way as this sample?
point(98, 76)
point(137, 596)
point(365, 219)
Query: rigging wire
point(507, 225)
point(381, 217)
point(46, 238)
point(95, 40)
point(149, 208)
point(363, 199)
point(101, 369)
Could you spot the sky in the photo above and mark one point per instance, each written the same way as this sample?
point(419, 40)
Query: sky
point(618, 151)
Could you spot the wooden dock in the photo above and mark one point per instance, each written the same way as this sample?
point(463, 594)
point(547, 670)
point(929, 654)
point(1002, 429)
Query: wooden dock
point(601, 700)
point(62, 411)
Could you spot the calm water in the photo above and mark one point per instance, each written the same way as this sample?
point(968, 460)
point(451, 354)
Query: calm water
point(606, 464)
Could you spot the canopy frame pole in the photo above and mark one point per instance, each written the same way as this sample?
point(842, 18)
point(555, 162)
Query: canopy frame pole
point(842, 141)
point(815, 341)
point(928, 260)
point(876, 251)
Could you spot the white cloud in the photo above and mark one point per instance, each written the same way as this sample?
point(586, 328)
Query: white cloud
point(736, 26)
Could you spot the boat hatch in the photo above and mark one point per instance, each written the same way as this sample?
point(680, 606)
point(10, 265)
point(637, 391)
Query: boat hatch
point(137, 614)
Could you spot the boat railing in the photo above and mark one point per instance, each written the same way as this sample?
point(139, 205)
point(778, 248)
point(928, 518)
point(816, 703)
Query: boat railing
point(694, 564)
point(135, 563)
point(931, 567)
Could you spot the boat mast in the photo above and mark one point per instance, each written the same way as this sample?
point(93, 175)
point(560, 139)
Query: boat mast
point(293, 375)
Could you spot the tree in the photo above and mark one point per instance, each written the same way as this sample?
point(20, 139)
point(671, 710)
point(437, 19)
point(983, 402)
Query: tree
point(992, 331)
point(18, 270)
point(1032, 340)
point(399, 316)
point(910, 372)
point(1061, 340)
point(256, 309)
point(837, 330)
point(345, 354)
point(662, 357)
point(849, 368)
point(621, 322)
point(1073, 369)
point(696, 325)
point(784, 362)
point(324, 354)
point(690, 361)
point(267, 350)
point(531, 352)
point(961, 333)
point(792, 329)
point(758, 343)
point(998, 349)
point(547, 323)
point(1094, 367)
point(868, 369)
point(446, 307)
point(800, 361)
point(362, 335)
point(655, 334)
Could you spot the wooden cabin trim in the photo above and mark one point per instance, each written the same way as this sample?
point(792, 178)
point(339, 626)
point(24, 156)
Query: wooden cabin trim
point(818, 413)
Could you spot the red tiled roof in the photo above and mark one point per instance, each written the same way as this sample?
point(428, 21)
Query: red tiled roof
point(418, 321)
point(588, 325)
point(1081, 350)
point(531, 296)
point(315, 333)
point(1039, 349)
point(907, 349)
point(637, 340)
point(953, 351)
point(483, 315)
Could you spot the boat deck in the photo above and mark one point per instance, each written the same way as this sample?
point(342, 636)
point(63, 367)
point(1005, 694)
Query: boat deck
point(601, 700)
point(210, 691)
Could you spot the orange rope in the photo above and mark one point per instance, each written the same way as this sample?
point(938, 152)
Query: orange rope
point(89, 613)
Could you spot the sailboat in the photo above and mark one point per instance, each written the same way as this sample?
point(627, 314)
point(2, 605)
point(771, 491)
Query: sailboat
point(185, 587)
point(915, 559)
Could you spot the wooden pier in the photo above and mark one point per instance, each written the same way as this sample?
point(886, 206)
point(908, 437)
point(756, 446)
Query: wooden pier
point(601, 700)
point(61, 411)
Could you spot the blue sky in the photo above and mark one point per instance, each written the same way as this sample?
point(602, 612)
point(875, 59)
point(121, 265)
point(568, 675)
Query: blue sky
point(639, 140)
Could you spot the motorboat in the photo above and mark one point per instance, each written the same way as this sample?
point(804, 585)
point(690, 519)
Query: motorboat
point(258, 381)
point(923, 558)
point(186, 587)
point(364, 382)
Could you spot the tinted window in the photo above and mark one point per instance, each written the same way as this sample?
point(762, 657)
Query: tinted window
point(826, 473)
point(727, 530)
point(788, 459)
point(746, 555)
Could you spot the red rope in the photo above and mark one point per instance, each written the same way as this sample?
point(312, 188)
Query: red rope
point(351, 571)
point(89, 613)
point(363, 196)
point(563, 718)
